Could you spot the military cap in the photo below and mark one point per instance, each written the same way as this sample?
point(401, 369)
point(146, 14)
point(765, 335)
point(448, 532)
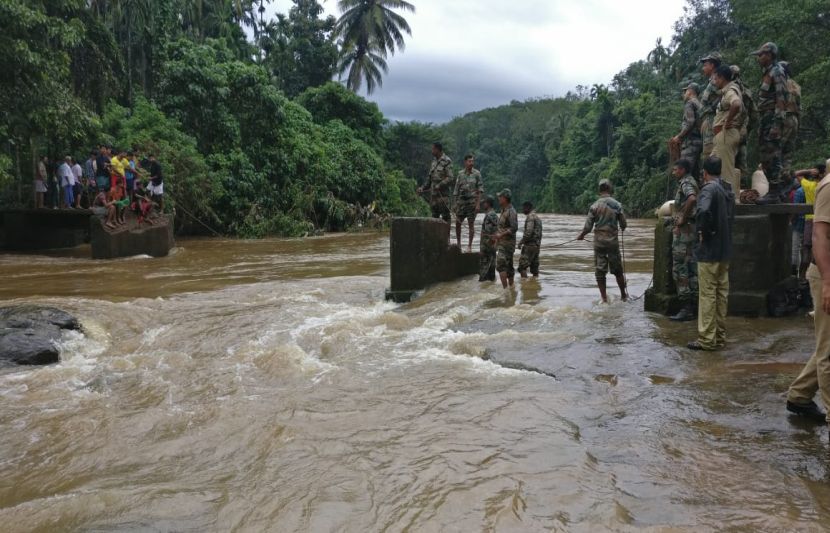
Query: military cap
point(694, 87)
point(604, 183)
point(771, 48)
point(506, 193)
point(714, 57)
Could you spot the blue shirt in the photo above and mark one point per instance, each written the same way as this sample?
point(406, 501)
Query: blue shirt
point(799, 198)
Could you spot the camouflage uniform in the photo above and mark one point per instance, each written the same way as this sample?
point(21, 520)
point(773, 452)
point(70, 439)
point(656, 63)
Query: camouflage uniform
point(605, 217)
point(773, 101)
point(708, 108)
point(684, 267)
point(439, 185)
point(530, 244)
point(487, 255)
point(692, 145)
point(791, 126)
point(506, 247)
point(468, 190)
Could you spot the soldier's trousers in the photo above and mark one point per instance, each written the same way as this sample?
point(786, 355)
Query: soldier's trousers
point(529, 259)
point(713, 302)
point(690, 151)
point(789, 134)
point(742, 158)
point(708, 136)
point(684, 268)
point(504, 258)
point(441, 208)
point(769, 153)
point(727, 143)
point(816, 374)
point(487, 264)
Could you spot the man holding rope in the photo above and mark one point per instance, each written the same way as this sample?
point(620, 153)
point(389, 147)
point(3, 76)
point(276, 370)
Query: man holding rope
point(605, 219)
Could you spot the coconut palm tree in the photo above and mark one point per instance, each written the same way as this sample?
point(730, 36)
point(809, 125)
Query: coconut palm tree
point(370, 31)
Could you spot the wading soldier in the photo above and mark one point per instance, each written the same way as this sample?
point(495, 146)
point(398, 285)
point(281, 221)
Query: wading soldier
point(467, 194)
point(531, 242)
point(708, 102)
point(439, 183)
point(773, 102)
point(684, 268)
point(606, 218)
point(487, 247)
point(816, 374)
point(505, 239)
point(689, 138)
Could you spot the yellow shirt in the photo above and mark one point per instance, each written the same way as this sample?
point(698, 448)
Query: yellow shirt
point(118, 166)
point(810, 188)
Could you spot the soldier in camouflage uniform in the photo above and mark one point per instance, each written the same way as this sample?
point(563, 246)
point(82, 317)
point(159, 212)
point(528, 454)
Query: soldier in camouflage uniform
point(606, 218)
point(684, 268)
point(439, 183)
point(467, 194)
point(793, 121)
point(773, 102)
point(506, 239)
point(708, 103)
point(689, 138)
point(487, 253)
point(531, 242)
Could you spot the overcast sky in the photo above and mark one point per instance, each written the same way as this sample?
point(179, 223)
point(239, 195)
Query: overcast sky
point(466, 55)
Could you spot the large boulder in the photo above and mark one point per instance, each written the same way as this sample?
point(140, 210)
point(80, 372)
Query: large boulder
point(29, 334)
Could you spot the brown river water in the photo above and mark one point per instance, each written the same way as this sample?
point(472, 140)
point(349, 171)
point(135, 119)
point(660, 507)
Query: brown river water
point(267, 386)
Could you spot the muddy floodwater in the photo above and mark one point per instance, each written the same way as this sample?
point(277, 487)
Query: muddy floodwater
point(266, 386)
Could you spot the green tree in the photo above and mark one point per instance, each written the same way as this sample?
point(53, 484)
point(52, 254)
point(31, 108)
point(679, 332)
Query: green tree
point(332, 101)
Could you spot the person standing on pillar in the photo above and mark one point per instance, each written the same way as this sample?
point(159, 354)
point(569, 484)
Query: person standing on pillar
point(505, 239)
point(606, 218)
point(41, 176)
point(689, 138)
point(713, 224)
point(684, 268)
point(467, 195)
point(730, 119)
point(815, 377)
point(439, 183)
point(708, 102)
point(487, 245)
point(531, 242)
point(792, 122)
point(773, 102)
point(751, 114)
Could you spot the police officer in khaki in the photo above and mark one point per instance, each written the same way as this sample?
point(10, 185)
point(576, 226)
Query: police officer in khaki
point(815, 377)
point(439, 183)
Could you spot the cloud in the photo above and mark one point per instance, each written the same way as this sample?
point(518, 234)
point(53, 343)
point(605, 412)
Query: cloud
point(466, 55)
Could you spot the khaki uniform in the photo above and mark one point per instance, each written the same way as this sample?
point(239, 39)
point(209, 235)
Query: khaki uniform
point(773, 101)
point(506, 247)
point(684, 266)
point(708, 104)
point(605, 219)
point(487, 250)
point(815, 377)
point(439, 186)
point(728, 141)
point(692, 144)
point(792, 123)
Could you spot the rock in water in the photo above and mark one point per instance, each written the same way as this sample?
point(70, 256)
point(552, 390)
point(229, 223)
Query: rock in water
point(29, 334)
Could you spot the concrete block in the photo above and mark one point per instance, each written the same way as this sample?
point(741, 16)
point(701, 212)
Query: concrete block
point(27, 230)
point(156, 240)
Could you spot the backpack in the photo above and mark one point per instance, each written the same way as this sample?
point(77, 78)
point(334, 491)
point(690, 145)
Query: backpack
point(750, 107)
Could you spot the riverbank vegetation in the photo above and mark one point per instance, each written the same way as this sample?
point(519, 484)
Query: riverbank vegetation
point(257, 140)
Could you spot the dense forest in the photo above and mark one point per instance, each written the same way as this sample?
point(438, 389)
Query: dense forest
point(554, 151)
point(258, 140)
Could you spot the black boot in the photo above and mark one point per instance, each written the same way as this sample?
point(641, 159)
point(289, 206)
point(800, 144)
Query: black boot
point(686, 314)
point(810, 411)
point(772, 197)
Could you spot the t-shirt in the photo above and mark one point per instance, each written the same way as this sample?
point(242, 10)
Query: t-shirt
point(78, 172)
point(66, 176)
point(41, 170)
point(810, 188)
point(130, 169)
point(155, 173)
point(118, 166)
point(101, 166)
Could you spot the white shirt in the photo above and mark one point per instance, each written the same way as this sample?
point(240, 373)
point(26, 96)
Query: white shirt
point(77, 172)
point(65, 174)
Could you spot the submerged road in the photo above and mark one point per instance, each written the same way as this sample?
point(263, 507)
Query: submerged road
point(266, 385)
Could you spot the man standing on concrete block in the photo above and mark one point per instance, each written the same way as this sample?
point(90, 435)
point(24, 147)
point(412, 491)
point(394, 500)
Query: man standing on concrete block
point(816, 374)
point(487, 246)
point(467, 194)
point(506, 239)
point(439, 183)
point(713, 220)
point(605, 219)
point(689, 138)
point(684, 268)
point(730, 119)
